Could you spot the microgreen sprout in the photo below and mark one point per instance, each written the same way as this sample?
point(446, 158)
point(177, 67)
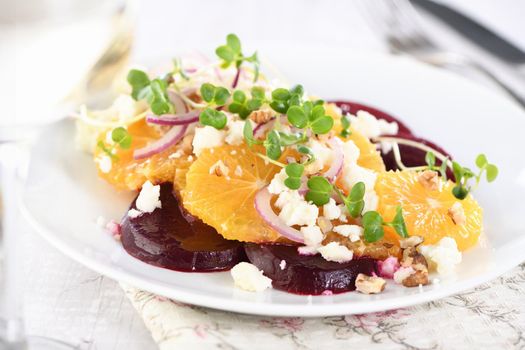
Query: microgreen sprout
point(153, 91)
point(345, 123)
point(272, 144)
point(463, 175)
point(244, 106)
point(231, 53)
point(430, 159)
point(310, 115)
point(215, 96)
point(294, 172)
point(373, 225)
point(120, 137)
point(319, 190)
point(354, 201)
point(283, 99)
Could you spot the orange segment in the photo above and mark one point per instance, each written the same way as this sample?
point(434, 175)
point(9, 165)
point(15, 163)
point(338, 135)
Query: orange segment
point(426, 211)
point(369, 157)
point(129, 174)
point(226, 201)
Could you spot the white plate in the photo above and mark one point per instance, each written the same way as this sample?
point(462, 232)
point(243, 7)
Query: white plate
point(64, 196)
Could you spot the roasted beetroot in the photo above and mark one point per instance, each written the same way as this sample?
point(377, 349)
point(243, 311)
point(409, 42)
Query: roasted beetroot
point(303, 274)
point(171, 238)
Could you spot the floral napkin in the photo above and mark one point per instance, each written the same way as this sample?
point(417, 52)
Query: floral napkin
point(491, 316)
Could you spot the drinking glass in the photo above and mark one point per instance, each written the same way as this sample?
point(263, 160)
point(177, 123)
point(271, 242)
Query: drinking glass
point(56, 54)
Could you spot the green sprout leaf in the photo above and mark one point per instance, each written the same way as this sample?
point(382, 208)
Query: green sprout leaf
point(231, 53)
point(212, 117)
point(430, 159)
point(294, 172)
point(121, 137)
point(492, 172)
point(345, 123)
point(247, 132)
point(319, 190)
point(481, 161)
point(398, 223)
point(138, 81)
point(207, 92)
point(272, 144)
point(355, 203)
point(297, 117)
point(373, 226)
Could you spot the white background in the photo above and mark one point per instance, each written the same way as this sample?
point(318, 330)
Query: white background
point(65, 300)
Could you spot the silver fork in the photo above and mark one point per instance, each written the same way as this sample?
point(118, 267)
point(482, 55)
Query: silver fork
point(398, 23)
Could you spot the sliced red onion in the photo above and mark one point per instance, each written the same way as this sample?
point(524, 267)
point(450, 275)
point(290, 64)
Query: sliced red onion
point(264, 208)
point(174, 135)
point(178, 102)
point(338, 161)
point(174, 119)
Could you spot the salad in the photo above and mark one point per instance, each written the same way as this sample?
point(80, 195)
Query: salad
point(236, 171)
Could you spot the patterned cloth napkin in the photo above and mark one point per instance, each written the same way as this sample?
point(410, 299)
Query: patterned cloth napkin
point(491, 316)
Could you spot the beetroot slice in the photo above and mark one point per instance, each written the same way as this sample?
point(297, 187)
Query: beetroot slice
point(353, 107)
point(306, 274)
point(171, 238)
point(411, 156)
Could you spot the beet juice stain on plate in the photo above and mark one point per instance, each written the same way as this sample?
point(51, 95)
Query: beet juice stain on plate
point(171, 238)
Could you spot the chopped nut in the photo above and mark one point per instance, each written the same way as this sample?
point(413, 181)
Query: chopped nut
point(369, 285)
point(412, 241)
point(429, 179)
point(324, 224)
point(219, 169)
point(194, 96)
point(187, 146)
point(457, 214)
point(411, 257)
point(261, 116)
point(419, 277)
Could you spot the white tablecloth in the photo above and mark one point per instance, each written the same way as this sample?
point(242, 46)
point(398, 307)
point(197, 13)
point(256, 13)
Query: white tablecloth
point(67, 301)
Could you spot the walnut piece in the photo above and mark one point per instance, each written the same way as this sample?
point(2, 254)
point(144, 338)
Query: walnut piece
point(260, 116)
point(417, 278)
point(412, 257)
point(186, 145)
point(369, 284)
point(457, 214)
point(412, 241)
point(429, 179)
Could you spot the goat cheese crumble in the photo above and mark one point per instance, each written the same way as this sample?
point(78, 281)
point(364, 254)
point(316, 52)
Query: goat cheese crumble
point(334, 251)
point(207, 137)
point(248, 277)
point(443, 256)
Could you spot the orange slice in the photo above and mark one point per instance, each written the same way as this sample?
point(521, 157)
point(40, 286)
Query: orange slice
point(127, 173)
point(426, 211)
point(226, 201)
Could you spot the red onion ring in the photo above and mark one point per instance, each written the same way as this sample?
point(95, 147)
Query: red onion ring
point(264, 209)
point(174, 119)
point(178, 102)
point(174, 135)
point(339, 158)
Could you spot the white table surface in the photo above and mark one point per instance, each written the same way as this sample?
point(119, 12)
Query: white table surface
point(65, 300)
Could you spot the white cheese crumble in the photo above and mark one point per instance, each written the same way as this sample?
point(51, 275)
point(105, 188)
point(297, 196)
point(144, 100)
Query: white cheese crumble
point(176, 155)
point(207, 137)
point(105, 164)
point(353, 174)
point(369, 126)
point(351, 152)
point(333, 251)
point(312, 235)
point(148, 198)
point(234, 135)
point(134, 213)
point(299, 212)
point(282, 264)
point(248, 277)
point(287, 197)
point(443, 256)
point(353, 232)
point(323, 156)
point(277, 185)
point(331, 210)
